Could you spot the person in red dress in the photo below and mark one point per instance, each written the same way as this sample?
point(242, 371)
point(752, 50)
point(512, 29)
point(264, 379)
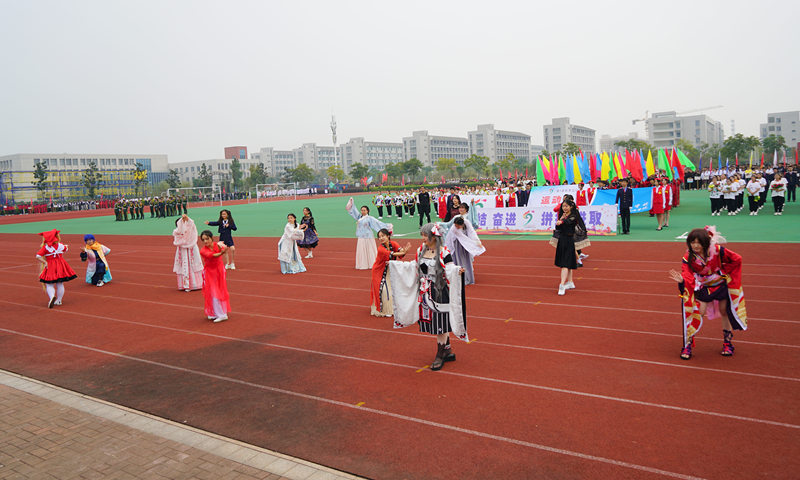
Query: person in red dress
point(660, 200)
point(215, 287)
point(381, 292)
point(55, 270)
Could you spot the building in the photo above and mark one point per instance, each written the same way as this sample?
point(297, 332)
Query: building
point(372, 154)
point(561, 132)
point(608, 143)
point(275, 161)
point(536, 150)
point(430, 148)
point(785, 124)
point(486, 141)
point(220, 169)
point(316, 157)
point(238, 152)
point(664, 129)
point(65, 175)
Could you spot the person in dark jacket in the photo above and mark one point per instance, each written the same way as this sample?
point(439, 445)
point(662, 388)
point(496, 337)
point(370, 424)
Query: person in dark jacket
point(625, 201)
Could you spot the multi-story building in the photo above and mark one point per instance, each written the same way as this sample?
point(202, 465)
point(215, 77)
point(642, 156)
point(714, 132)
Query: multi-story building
point(664, 129)
point(486, 141)
point(316, 157)
point(220, 169)
point(784, 124)
point(65, 175)
point(536, 150)
point(561, 132)
point(608, 143)
point(238, 152)
point(430, 148)
point(372, 154)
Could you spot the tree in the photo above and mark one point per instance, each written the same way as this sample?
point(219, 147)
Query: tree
point(446, 166)
point(335, 173)
point(301, 174)
point(358, 171)
point(91, 178)
point(236, 174)
point(773, 143)
point(479, 164)
point(739, 145)
point(173, 179)
point(139, 177)
point(570, 149)
point(412, 167)
point(686, 147)
point(507, 163)
point(394, 170)
point(258, 175)
point(40, 174)
point(204, 177)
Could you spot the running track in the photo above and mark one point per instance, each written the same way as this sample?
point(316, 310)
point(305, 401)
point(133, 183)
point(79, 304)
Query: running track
point(588, 385)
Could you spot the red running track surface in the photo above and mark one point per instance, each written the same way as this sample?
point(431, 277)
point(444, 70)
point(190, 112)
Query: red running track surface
point(588, 385)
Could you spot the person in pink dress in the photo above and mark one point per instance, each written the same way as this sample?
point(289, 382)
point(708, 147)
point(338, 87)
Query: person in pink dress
point(215, 287)
point(188, 266)
point(55, 270)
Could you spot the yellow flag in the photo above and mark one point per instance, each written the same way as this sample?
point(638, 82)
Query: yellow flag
point(576, 169)
point(649, 166)
point(605, 167)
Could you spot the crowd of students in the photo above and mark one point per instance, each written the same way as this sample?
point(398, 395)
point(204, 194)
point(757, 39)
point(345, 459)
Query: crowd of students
point(727, 190)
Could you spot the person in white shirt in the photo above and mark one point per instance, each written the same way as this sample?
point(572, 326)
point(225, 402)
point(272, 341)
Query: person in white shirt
point(379, 204)
point(778, 189)
point(753, 187)
point(763, 192)
point(715, 195)
point(729, 195)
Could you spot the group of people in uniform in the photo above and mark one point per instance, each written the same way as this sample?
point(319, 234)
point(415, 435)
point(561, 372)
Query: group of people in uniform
point(160, 207)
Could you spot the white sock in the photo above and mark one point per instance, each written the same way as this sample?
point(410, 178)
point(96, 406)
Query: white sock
point(59, 291)
point(51, 289)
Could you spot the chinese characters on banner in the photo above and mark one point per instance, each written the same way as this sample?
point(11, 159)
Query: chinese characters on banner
point(599, 220)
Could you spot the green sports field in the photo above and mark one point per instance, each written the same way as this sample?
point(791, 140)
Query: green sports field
point(267, 220)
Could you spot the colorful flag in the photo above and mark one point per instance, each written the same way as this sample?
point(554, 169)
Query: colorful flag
point(425, 179)
point(569, 169)
point(737, 159)
point(540, 179)
point(663, 164)
point(762, 160)
point(501, 173)
point(650, 168)
point(562, 171)
point(774, 158)
point(684, 160)
point(576, 170)
point(605, 167)
point(677, 165)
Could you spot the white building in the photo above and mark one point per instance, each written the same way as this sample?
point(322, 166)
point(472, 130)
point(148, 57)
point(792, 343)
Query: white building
point(561, 132)
point(220, 169)
point(536, 150)
point(316, 157)
point(275, 161)
point(607, 142)
point(430, 148)
point(664, 129)
point(785, 124)
point(156, 165)
point(372, 154)
point(486, 141)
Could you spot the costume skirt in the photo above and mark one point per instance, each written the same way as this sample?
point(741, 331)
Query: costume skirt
point(57, 270)
point(565, 252)
point(366, 251)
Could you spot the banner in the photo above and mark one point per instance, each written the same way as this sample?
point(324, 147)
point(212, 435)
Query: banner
point(599, 220)
point(540, 196)
point(642, 198)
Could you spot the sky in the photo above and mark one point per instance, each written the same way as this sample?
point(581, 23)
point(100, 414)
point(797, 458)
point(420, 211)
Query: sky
point(188, 78)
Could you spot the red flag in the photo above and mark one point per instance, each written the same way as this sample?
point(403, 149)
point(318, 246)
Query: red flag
point(737, 159)
point(592, 167)
point(442, 178)
point(762, 160)
point(425, 180)
point(677, 163)
point(784, 159)
point(526, 172)
point(501, 174)
point(384, 178)
point(795, 154)
point(403, 180)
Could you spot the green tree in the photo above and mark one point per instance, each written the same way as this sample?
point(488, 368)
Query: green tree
point(687, 148)
point(335, 173)
point(412, 167)
point(739, 145)
point(40, 174)
point(773, 143)
point(139, 177)
point(359, 171)
point(91, 178)
point(446, 166)
point(258, 175)
point(570, 149)
point(173, 179)
point(301, 174)
point(478, 164)
point(236, 174)
point(506, 164)
point(709, 152)
point(204, 177)
point(460, 169)
point(636, 144)
point(394, 170)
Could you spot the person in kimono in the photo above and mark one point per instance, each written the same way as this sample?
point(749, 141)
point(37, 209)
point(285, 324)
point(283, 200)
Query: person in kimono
point(430, 292)
point(288, 253)
point(365, 226)
point(94, 254)
point(710, 282)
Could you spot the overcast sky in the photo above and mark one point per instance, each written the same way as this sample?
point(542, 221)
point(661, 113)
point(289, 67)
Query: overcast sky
point(188, 78)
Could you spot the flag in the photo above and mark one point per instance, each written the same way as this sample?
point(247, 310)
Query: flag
point(750, 166)
point(384, 178)
point(635, 166)
point(784, 158)
point(774, 158)
point(737, 159)
point(663, 164)
point(425, 179)
point(677, 165)
point(442, 178)
point(583, 164)
point(369, 180)
point(762, 160)
point(569, 169)
point(605, 167)
point(719, 161)
point(562, 170)
point(501, 173)
point(684, 160)
point(516, 175)
point(576, 170)
point(526, 172)
point(403, 179)
point(540, 179)
point(650, 167)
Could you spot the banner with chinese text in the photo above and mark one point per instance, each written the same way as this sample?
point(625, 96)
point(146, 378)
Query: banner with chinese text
point(599, 220)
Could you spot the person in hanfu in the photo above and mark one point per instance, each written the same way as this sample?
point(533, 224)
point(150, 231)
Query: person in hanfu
point(188, 265)
point(94, 254)
point(380, 293)
point(462, 240)
point(288, 253)
point(365, 226)
point(430, 292)
point(710, 282)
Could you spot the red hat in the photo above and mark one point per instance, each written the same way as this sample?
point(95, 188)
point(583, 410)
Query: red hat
point(50, 237)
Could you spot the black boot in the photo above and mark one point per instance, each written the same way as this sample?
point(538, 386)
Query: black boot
point(449, 356)
point(439, 360)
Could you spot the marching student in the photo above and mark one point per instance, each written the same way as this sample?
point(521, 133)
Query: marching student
point(225, 225)
point(54, 269)
point(97, 271)
point(398, 204)
point(715, 195)
point(778, 189)
point(379, 204)
point(288, 254)
point(188, 265)
point(753, 188)
point(215, 286)
point(710, 283)
point(763, 192)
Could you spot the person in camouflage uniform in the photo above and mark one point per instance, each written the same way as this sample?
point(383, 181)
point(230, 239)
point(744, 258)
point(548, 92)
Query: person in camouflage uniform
point(118, 211)
point(185, 203)
point(161, 207)
point(124, 209)
point(153, 202)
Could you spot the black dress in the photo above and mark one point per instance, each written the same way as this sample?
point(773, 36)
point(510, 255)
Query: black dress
point(565, 250)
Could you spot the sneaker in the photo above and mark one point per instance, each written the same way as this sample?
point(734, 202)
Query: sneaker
point(776, 213)
point(310, 255)
point(209, 317)
point(583, 255)
point(187, 290)
point(58, 302)
point(562, 289)
point(227, 266)
point(220, 319)
point(51, 302)
point(727, 349)
point(233, 266)
point(780, 213)
point(100, 284)
point(569, 286)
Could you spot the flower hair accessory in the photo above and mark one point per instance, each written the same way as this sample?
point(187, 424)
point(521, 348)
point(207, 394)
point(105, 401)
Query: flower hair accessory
point(436, 231)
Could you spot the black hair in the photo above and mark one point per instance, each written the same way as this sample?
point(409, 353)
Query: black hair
point(364, 206)
point(295, 218)
point(230, 217)
point(310, 215)
point(699, 235)
point(458, 220)
point(385, 232)
point(466, 207)
point(177, 220)
point(207, 233)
